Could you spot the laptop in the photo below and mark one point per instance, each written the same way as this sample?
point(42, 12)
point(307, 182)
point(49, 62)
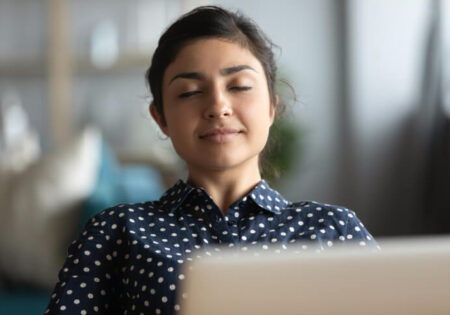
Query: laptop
point(407, 276)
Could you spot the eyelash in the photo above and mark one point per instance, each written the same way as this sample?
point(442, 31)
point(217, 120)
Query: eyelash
point(187, 94)
point(241, 88)
point(236, 88)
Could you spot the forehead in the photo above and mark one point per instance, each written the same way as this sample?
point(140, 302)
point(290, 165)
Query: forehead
point(209, 56)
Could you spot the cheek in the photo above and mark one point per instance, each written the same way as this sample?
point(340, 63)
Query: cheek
point(180, 140)
point(180, 125)
point(259, 112)
point(258, 121)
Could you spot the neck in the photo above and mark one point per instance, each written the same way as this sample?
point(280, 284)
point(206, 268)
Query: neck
point(225, 187)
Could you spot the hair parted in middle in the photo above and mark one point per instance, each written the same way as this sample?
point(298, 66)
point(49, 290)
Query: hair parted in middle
point(210, 22)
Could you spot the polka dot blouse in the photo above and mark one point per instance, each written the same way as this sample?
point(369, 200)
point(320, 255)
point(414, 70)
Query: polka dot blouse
point(128, 258)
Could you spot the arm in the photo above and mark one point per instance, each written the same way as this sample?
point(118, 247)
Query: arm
point(87, 281)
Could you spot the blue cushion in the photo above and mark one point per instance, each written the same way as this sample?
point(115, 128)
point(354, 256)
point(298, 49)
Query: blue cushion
point(24, 302)
point(120, 184)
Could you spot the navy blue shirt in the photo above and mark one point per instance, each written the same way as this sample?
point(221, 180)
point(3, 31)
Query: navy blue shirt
point(128, 258)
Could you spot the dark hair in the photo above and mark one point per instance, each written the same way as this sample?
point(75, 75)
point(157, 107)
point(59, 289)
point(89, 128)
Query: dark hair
point(204, 22)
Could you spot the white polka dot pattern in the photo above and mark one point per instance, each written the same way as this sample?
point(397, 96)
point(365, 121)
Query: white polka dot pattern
point(128, 258)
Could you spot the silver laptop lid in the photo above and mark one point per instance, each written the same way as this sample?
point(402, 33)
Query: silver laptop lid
point(408, 276)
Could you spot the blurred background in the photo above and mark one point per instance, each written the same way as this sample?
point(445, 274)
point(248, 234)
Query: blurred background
point(370, 129)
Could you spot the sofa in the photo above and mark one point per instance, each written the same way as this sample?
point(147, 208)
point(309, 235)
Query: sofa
point(46, 205)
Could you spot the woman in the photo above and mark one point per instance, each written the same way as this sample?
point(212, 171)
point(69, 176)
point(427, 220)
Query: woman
point(212, 78)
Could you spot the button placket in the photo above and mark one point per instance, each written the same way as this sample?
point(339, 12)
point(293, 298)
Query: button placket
point(220, 225)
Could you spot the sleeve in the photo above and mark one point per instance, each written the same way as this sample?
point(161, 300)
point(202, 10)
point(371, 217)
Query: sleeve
point(87, 279)
point(356, 232)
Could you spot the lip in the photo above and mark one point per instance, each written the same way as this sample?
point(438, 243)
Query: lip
point(220, 135)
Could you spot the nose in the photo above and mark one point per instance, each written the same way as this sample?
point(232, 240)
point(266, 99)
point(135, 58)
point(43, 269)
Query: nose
point(219, 106)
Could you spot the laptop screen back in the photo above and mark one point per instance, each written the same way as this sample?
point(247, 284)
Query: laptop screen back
point(410, 276)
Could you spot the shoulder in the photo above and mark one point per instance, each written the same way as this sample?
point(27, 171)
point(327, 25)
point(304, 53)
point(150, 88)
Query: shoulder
point(343, 222)
point(322, 211)
point(126, 216)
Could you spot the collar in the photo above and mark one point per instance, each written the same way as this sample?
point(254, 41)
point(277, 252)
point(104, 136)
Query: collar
point(268, 198)
point(175, 196)
point(262, 195)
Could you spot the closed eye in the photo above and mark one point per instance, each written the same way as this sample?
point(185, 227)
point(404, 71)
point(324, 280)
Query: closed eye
point(187, 94)
point(241, 88)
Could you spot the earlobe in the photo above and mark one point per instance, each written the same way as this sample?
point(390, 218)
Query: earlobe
point(273, 109)
point(158, 119)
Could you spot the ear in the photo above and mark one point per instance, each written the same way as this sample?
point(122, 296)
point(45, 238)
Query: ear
point(158, 119)
point(272, 109)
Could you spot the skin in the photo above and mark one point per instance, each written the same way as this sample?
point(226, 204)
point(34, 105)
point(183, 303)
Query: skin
point(218, 114)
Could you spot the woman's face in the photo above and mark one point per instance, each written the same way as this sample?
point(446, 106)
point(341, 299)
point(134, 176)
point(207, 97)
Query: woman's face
point(216, 105)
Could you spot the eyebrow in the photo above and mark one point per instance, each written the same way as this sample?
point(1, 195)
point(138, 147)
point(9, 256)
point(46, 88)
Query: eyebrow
point(224, 72)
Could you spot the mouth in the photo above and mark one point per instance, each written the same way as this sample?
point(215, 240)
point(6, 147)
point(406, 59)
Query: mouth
point(220, 135)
